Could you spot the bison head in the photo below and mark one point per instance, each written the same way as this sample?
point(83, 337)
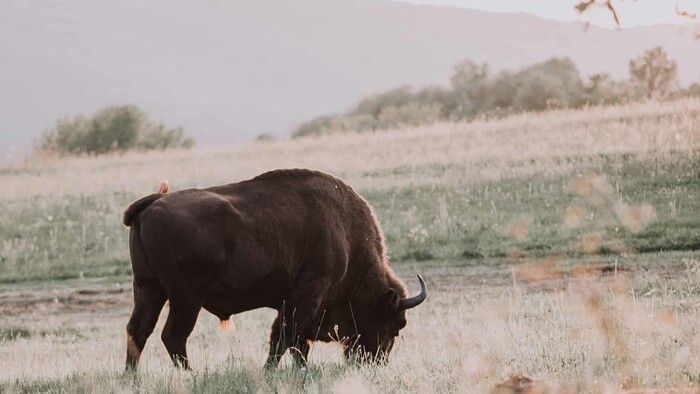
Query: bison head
point(383, 323)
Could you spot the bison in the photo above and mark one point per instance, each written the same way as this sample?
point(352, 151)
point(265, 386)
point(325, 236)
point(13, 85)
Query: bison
point(299, 241)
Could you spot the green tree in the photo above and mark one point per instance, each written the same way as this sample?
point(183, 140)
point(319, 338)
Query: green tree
point(539, 91)
point(555, 83)
point(655, 73)
point(500, 93)
point(445, 99)
point(113, 128)
point(603, 89)
point(470, 85)
point(567, 77)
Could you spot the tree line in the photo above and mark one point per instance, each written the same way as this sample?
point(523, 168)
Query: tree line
point(474, 91)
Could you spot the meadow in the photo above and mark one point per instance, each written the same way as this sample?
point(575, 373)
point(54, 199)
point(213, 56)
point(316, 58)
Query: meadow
point(563, 245)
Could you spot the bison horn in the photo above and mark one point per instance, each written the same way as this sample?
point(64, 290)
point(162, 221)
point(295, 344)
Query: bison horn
point(408, 303)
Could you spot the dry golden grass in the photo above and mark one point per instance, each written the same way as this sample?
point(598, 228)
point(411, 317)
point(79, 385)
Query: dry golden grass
point(596, 333)
point(457, 153)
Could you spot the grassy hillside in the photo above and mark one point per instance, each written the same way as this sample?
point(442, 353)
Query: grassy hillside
point(604, 181)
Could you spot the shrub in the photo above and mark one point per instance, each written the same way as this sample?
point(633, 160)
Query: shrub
point(693, 90)
point(265, 137)
point(374, 105)
point(553, 83)
point(159, 137)
point(603, 89)
point(409, 115)
point(539, 91)
point(316, 126)
point(115, 128)
point(336, 123)
point(470, 86)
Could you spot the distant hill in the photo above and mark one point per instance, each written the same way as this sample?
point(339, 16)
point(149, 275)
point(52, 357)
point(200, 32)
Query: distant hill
point(228, 71)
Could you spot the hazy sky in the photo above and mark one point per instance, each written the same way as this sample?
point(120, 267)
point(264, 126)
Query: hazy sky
point(632, 12)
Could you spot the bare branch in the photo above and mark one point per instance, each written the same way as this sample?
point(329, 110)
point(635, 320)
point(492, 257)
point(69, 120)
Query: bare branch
point(685, 13)
point(614, 13)
point(584, 6)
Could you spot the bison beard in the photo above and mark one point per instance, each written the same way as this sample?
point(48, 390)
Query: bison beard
point(299, 241)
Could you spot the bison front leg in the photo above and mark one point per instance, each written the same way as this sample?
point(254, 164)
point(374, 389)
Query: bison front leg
point(181, 321)
point(300, 352)
point(296, 325)
point(286, 335)
point(149, 299)
point(278, 343)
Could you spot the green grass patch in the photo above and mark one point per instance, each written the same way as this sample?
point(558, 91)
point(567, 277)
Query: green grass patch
point(63, 238)
point(230, 378)
point(528, 215)
point(82, 236)
point(12, 333)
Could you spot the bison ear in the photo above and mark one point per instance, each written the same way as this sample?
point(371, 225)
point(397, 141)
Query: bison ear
point(392, 298)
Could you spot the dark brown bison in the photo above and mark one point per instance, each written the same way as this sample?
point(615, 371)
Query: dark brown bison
point(299, 241)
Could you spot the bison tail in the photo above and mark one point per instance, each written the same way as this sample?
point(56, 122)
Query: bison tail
point(139, 205)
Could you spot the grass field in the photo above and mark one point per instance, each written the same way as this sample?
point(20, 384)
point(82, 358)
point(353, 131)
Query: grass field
point(562, 245)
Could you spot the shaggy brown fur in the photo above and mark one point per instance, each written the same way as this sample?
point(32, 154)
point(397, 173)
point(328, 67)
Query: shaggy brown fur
point(299, 241)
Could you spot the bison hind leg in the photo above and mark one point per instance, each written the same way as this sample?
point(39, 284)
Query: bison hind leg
point(182, 317)
point(149, 299)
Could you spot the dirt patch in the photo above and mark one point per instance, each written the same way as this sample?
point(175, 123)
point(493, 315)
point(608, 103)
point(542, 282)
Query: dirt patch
point(68, 300)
